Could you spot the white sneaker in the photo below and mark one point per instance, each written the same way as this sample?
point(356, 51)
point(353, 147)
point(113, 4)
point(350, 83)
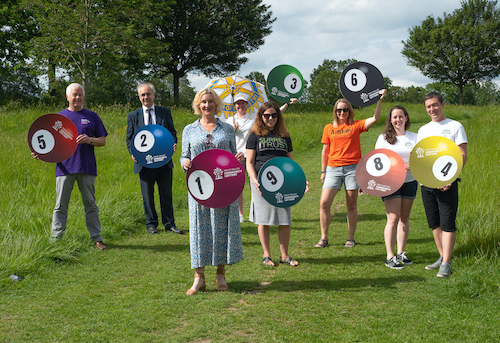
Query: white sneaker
point(242, 218)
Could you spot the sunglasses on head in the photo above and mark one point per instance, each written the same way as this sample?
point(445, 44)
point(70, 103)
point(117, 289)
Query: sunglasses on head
point(209, 139)
point(340, 110)
point(272, 115)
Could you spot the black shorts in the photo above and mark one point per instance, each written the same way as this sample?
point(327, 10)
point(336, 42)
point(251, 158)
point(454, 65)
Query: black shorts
point(441, 207)
point(407, 191)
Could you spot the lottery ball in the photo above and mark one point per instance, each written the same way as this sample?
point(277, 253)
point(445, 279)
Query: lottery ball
point(360, 84)
point(436, 161)
point(216, 178)
point(380, 172)
point(282, 182)
point(285, 82)
point(53, 138)
point(153, 146)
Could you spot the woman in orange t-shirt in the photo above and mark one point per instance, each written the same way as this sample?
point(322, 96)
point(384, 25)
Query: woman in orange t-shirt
point(339, 158)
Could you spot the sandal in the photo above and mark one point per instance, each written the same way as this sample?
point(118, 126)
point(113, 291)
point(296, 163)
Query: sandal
point(323, 243)
point(221, 287)
point(350, 243)
point(201, 287)
point(289, 261)
point(266, 261)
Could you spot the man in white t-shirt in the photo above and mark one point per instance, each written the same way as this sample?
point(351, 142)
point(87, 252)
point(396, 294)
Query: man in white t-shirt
point(441, 204)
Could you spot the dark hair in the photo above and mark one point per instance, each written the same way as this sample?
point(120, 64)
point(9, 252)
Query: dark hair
point(261, 129)
point(389, 132)
point(434, 95)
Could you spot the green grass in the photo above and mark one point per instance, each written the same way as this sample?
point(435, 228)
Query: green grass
point(135, 290)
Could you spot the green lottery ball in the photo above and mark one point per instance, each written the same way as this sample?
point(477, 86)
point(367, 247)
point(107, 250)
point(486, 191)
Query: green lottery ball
point(282, 182)
point(285, 82)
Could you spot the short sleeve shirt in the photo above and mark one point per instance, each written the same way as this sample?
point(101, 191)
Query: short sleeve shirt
point(267, 147)
point(344, 144)
point(403, 147)
point(83, 160)
point(447, 128)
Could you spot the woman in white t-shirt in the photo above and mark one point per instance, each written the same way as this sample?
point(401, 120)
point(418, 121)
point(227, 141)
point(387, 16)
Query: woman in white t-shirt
point(242, 122)
point(398, 205)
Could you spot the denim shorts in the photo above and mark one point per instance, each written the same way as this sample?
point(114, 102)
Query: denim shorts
point(407, 191)
point(336, 176)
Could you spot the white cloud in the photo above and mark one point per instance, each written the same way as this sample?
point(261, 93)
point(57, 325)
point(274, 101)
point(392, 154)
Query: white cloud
point(307, 32)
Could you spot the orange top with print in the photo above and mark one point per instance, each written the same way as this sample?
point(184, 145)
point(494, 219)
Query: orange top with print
point(344, 143)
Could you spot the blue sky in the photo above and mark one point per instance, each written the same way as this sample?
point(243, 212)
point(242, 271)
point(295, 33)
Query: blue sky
point(307, 32)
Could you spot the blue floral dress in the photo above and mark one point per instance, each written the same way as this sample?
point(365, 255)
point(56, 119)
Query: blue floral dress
point(214, 233)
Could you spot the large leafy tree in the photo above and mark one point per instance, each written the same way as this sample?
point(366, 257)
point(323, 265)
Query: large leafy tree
point(461, 48)
point(207, 37)
point(324, 87)
point(16, 29)
point(91, 40)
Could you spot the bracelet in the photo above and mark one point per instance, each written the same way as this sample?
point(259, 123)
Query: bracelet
point(323, 172)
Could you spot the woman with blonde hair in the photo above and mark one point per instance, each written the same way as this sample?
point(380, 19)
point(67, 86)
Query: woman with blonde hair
point(339, 159)
point(214, 233)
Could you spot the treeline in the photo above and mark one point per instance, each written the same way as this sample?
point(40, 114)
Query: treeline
point(324, 88)
point(110, 46)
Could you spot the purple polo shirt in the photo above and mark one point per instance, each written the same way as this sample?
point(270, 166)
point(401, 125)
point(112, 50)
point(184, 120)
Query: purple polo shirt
point(83, 160)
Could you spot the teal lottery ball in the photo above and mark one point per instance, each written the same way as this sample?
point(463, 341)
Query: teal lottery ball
point(282, 182)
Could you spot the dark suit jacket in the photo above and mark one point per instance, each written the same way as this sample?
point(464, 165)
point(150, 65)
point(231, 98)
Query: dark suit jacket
point(135, 120)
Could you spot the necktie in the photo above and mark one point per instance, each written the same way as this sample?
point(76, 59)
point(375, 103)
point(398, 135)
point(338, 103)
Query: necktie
point(150, 117)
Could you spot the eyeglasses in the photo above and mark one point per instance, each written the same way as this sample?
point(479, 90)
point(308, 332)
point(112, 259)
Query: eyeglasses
point(209, 139)
point(340, 110)
point(272, 115)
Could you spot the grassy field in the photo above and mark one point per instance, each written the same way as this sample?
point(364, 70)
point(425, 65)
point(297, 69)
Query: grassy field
point(135, 290)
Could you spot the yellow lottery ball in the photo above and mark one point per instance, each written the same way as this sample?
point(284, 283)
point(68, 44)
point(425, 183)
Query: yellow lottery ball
point(436, 161)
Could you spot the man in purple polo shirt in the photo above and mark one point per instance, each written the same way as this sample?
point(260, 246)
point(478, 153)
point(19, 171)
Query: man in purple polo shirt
point(80, 167)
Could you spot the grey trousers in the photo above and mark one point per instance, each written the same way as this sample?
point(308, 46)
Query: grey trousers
point(64, 187)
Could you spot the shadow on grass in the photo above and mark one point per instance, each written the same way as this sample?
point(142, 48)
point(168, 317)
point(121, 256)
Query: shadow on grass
point(338, 284)
point(156, 247)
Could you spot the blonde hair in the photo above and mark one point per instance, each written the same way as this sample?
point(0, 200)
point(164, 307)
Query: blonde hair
point(350, 119)
point(200, 94)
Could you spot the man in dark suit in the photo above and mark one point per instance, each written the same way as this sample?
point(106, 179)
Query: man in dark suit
point(146, 115)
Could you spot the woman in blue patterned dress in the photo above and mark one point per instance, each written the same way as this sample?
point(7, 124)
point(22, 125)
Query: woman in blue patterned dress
point(214, 233)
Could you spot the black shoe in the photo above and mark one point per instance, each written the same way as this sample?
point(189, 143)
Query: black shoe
point(174, 229)
point(151, 229)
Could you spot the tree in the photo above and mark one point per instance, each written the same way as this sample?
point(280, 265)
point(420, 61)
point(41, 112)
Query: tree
point(324, 87)
point(88, 38)
point(165, 91)
point(208, 37)
point(461, 48)
point(16, 29)
point(260, 78)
